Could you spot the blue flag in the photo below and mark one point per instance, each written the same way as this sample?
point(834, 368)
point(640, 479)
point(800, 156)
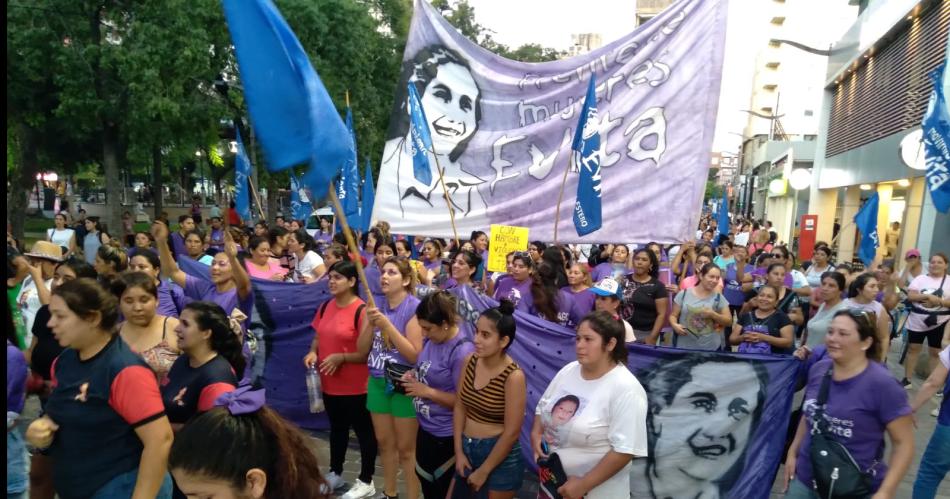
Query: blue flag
point(369, 198)
point(421, 140)
point(866, 221)
point(723, 220)
point(300, 207)
point(242, 171)
point(936, 127)
point(292, 113)
point(587, 161)
point(348, 187)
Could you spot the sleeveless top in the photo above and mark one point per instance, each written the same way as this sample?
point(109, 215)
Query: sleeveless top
point(160, 357)
point(485, 405)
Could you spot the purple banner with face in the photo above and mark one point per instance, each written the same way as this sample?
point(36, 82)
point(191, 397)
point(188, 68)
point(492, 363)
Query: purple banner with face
point(502, 130)
point(705, 424)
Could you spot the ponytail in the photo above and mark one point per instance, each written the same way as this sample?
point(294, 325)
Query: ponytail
point(224, 341)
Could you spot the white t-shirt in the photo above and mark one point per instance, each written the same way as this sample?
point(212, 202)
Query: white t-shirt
point(592, 418)
point(61, 237)
point(28, 299)
point(928, 286)
point(305, 267)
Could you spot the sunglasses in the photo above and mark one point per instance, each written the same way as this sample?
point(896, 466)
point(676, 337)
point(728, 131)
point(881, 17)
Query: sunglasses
point(858, 314)
point(778, 255)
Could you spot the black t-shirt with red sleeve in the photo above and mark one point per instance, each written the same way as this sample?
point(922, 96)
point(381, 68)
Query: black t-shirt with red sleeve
point(188, 391)
point(98, 403)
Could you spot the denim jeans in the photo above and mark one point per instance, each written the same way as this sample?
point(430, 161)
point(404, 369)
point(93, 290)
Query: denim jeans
point(507, 476)
point(934, 464)
point(123, 485)
point(798, 490)
point(17, 467)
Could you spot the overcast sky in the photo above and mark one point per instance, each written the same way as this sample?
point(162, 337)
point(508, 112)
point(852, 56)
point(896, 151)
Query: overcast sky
point(551, 23)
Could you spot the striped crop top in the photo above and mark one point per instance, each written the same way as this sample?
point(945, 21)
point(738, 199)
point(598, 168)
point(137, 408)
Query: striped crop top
point(487, 404)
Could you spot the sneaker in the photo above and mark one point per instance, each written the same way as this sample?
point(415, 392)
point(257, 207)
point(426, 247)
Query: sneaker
point(906, 383)
point(334, 481)
point(935, 413)
point(360, 490)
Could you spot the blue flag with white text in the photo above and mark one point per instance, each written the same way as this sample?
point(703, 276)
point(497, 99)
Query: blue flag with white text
point(295, 119)
point(300, 207)
point(421, 140)
point(242, 171)
point(936, 128)
point(369, 198)
point(348, 187)
point(723, 220)
point(586, 160)
point(866, 221)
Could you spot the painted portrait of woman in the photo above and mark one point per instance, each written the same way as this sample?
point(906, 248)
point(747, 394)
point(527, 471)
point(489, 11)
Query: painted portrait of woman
point(452, 102)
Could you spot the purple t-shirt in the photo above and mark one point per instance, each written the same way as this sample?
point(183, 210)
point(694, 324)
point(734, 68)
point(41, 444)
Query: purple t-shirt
point(178, 245)
point(574, 306)
point(440, 366)
point(200, 289)
point(607, 269)
point(372, 278)
point(859, 410)
point(171, 299)
point(16, 378)
point(399, 316)
point(518, 292)
point(733, 289)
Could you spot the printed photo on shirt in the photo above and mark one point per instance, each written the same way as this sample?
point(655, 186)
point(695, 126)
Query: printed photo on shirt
point(555, 423)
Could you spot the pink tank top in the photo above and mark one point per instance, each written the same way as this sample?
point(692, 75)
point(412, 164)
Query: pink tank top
point(160, 357)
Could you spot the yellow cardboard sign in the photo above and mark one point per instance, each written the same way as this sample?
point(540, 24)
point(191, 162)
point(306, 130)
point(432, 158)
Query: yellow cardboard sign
point(503, 240)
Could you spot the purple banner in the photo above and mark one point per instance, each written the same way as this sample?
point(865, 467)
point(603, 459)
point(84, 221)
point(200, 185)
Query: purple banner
point(714, 447)
point(502, 130)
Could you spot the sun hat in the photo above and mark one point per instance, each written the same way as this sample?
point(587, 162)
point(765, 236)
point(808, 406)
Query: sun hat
point(46, 250)
point(607, 287)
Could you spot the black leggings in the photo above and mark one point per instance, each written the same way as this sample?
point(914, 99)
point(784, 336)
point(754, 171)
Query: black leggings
point(435, 464)
point(345, 412)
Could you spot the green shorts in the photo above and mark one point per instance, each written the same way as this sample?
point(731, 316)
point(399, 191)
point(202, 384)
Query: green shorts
point(380, 402)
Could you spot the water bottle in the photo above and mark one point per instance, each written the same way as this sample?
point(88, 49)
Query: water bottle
point(314, 392)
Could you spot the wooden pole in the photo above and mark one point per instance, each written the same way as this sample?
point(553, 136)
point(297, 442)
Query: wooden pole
point(257, 200)
point(448, 202)
point(557, 214)
point(351, 243)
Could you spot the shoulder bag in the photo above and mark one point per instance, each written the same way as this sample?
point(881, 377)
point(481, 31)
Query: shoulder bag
point(836, 475)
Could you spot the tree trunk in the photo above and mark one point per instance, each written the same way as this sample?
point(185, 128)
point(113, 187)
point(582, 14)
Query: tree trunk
point(157, 188)
point(23, 179)
point(110, 170)
point(272, 189)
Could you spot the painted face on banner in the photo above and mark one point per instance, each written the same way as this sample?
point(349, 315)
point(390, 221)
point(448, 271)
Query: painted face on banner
point(705, 428)
point(449, 103)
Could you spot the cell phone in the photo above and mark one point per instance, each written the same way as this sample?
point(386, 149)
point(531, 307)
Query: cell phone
point(551, 475)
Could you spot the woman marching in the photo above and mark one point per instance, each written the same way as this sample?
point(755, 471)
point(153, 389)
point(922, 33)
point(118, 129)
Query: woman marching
point(766, 329)
point(615, 268)
point(464, 267)
point(644, 297)
point(343, 376)
point(433, 386)
point(260, 264)
point(577, 293)
point(99, 379)
point(171, 298)
point(700, 313)
point(861, 296)
point(147, 332)
point(489, 410)
point(393, 343)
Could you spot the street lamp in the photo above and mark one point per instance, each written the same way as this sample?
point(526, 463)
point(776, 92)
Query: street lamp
point(800, 178)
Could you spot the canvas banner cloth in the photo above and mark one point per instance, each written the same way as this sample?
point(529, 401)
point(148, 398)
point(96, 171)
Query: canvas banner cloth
point(723, 439)
point(502, 130)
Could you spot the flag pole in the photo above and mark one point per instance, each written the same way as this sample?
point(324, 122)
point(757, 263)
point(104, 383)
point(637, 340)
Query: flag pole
point(351, 243)
point(448, 203)
point(257, 200)
point(557, 214)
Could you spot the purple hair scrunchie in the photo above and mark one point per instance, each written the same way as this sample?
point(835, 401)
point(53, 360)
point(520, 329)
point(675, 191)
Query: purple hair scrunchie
point(244, 400)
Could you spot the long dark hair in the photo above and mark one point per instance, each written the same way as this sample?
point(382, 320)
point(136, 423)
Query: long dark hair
point(654, 262)
point(865, 322)
point(86, 298)
point(224, 341)
point(546, 281)
point(439, 308)
point(260, 439)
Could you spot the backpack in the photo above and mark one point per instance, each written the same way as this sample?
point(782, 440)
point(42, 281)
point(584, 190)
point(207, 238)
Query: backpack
point(356, 316)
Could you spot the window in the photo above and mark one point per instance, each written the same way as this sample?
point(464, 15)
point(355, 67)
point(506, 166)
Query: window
point(778, 20)
point(771, 88)
point(772, 65)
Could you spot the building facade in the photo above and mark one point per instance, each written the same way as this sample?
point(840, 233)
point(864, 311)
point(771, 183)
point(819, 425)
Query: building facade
point(876, 92)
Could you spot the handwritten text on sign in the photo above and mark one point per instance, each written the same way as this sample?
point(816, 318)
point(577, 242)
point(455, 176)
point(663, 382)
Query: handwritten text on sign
point(504, 240)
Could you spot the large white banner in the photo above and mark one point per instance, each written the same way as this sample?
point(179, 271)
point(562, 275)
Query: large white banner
point(502, 130)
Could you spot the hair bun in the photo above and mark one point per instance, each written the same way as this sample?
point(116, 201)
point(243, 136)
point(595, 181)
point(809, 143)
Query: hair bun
point(506, 307)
